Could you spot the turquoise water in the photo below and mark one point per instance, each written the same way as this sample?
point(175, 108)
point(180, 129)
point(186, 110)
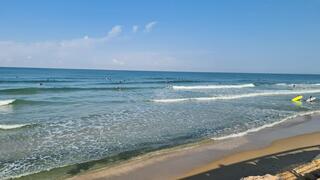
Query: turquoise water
point(55, 117)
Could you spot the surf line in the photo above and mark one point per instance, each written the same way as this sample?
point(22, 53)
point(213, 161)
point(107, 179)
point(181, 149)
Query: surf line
point(274, 93)
point(6, 102)
point(213, 87)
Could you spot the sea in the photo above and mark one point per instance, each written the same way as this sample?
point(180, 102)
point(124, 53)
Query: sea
point(51, 118)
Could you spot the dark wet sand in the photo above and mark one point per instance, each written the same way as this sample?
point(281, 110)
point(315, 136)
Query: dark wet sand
point(280, 156)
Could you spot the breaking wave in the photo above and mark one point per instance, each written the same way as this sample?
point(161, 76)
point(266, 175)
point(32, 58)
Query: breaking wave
point(12, 126)
point(265, 126)
point(213, 87)
point(298, 85)
point(230, 97)
point(6, 102)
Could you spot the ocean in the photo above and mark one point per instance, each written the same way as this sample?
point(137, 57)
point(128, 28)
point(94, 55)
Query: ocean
point(51, 118)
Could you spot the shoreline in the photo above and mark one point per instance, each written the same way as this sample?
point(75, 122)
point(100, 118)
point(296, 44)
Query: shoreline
point(182, 160)
point(293, 144)
point(193, 159)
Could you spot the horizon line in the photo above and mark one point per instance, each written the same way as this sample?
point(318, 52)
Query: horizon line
point(172, 71)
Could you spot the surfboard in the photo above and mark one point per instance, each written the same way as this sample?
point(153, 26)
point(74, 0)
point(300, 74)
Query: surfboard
point(311, 99)
point(297, 98)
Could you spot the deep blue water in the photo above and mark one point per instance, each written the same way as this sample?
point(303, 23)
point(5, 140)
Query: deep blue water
point(56, 117)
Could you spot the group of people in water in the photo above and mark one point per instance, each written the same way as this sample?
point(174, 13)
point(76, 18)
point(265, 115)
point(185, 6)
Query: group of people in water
point(299, 98)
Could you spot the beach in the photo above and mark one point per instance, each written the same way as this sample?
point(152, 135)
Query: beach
point(272, 150)
point(279, 156)
point(157, 90)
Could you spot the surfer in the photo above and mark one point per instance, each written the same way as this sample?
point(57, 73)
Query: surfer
point(311, 99)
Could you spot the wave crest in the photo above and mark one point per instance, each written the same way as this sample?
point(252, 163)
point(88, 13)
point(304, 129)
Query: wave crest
point(12, 126)
point(213, 86)
point(265, 126)
point(6, 102)
point(274, 93)
point(298, 85)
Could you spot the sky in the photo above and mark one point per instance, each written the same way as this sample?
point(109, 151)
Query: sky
point(266, 36)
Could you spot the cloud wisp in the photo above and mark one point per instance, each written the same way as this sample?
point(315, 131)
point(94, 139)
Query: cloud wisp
point(84, 52)
point(135, 28)
point(53, 53)
point(115, 31)
point(150, 26)
point(117, 61)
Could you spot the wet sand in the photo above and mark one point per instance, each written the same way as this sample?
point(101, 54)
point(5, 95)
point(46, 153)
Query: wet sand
point(200, 161)
point(279, 156)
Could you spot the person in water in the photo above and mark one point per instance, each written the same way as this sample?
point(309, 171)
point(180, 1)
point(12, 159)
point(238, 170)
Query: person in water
point(310, 98)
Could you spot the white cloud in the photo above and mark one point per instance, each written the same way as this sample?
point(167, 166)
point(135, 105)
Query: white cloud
point(76, 51)
point(84, 52)
point(115, 31)
point(95, 54)
point(135, 28)
point(117, 62)
point(149, 27)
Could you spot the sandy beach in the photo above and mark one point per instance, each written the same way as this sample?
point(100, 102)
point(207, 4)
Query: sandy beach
point(280, 155)
point(159, 90)
point(270, 150)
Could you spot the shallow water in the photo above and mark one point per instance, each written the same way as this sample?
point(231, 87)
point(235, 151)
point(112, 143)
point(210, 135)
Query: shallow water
point(61, 117)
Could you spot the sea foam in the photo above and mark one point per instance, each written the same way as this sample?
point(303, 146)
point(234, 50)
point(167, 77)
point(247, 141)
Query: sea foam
point(12, 126)
point(6, 102)
point(230, 97)
point(213, 87)
point(265, 126)
point(298, 85)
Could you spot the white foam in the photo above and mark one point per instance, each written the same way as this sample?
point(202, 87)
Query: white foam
point(12, 126)
point(213, 86)
point(298, 85)
point(265, 126)
point(170, 100)
point(6, 102)
point(230, 97)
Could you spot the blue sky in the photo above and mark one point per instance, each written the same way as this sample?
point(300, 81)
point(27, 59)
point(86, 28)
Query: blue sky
point(221, 36)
